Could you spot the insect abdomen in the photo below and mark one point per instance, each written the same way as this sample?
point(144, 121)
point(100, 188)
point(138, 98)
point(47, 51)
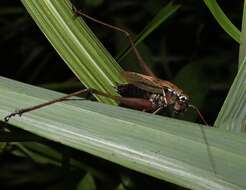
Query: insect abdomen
point(129, 90)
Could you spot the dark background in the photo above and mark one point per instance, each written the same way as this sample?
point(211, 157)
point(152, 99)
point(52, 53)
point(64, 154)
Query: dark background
point(190, 48)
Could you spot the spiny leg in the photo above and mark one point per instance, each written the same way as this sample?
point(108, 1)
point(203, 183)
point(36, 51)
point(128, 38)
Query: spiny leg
point(164, 96)
point(61, 99)
point(142, 63)
point(134, 103)
point(157, 110)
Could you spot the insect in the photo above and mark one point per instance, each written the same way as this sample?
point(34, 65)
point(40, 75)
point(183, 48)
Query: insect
point(143, 92)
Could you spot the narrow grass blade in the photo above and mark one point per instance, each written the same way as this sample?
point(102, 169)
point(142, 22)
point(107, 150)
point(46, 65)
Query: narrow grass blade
point(160, 17)
point(76, 44)
point(232, 115)
point(43, 153)
point(242, 52)
point(222, 19)
point(162, 147)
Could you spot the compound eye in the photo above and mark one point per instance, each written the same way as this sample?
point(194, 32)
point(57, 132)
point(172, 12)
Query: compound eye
point(171, 91)
point(183, 98)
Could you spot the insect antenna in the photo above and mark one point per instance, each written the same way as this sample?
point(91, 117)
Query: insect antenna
point(199, 114)
point(140, 59)
point(210, 155)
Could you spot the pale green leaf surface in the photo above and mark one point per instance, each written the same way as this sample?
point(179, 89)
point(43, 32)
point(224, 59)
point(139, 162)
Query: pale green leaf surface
point(232, 115)
point(222, 19)
point(76, 44)
point(162, 147)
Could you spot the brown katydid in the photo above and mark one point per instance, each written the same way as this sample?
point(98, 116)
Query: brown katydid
point(143, 92)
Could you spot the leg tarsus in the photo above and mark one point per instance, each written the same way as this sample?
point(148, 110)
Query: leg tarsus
point(164, 96)
point(76, 12)
point(157, 110)
point(61, 99)
point(6, 118)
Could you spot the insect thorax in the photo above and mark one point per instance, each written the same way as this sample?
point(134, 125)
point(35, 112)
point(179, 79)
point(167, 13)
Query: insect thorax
point(168, 97)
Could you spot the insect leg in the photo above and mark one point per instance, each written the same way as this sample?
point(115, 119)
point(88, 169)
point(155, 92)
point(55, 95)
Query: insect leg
point(141, 104)
point(134, 103)
point(141, 61)
point(61, 99)
point(164, 97)
point(156, 111)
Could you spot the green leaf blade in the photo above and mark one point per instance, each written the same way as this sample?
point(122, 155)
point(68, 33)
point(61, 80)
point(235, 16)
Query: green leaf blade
point(233, 112)
point(242, 50)
point(162, 147)
point(223, 20)
point(164, 13)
